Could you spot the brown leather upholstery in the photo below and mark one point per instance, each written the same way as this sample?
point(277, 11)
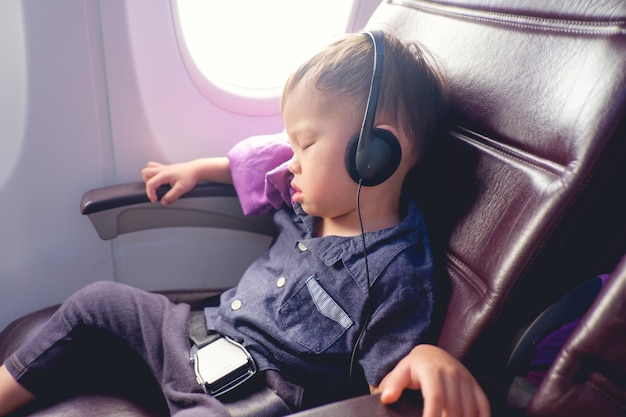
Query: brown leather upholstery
point(538, 102)
point(588, 377)
point(22, 329)
point(367, 406)
point(521, 194)
point(93, 406)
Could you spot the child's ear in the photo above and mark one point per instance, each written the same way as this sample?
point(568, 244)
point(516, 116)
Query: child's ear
point(406, 147)
point(395, 132)
point(390, 128)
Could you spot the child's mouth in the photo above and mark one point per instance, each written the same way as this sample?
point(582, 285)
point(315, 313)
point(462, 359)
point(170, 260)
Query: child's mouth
point(296, 196)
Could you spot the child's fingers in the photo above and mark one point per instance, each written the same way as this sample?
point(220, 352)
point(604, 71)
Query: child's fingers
point(435, 396)
point(394, 383)
point(390, 394)
point(150, 170)
point(464, 397)
point(177, 190)
point(391, 387)
point(484, 408)
point(152, 183)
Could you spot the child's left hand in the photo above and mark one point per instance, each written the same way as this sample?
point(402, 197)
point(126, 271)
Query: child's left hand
point(447, 386)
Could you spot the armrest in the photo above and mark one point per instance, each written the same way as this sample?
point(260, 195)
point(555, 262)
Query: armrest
point(588, 376)
point(125, 208)
point(410, 405)
point(569, 307)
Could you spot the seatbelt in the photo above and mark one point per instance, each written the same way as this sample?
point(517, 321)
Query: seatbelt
point(261, 401)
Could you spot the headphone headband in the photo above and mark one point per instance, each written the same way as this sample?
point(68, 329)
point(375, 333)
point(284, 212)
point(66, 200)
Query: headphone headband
point(365, 136)
point(374, 154)
point(372, 99)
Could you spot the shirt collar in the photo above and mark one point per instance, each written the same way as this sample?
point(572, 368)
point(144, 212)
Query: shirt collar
point(382, 246)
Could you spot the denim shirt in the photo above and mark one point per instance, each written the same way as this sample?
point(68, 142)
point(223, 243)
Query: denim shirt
point(300, 307)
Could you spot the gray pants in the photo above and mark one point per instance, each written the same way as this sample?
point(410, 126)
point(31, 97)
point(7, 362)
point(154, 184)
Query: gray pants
point(108, 317)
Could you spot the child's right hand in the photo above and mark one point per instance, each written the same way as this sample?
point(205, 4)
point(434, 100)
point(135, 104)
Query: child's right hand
point(181, 177)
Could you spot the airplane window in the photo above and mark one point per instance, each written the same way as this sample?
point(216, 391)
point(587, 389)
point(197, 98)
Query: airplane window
point(248, 48)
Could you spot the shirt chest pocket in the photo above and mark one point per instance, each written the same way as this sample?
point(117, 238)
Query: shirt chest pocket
point(312, 318)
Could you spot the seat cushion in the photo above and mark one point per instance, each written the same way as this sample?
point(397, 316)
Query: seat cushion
point(90, 406)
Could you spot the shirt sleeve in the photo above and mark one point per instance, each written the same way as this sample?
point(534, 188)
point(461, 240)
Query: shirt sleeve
point(397, 325)
point(260, 175)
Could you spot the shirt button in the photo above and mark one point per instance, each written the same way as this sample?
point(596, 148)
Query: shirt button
point(281, 282)
point(302, 247)
point(235, 305)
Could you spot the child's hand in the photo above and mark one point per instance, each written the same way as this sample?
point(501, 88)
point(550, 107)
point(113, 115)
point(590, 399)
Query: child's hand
point(182, 177)
point(447, 386)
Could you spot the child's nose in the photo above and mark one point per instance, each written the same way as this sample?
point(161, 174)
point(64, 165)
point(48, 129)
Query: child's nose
point(293, 165)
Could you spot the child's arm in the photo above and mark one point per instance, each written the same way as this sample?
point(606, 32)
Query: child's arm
point(257, 167)
point(184, 176)
point(445, 383)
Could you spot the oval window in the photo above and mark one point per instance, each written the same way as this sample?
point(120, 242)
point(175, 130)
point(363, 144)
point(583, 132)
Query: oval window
point(239, 53)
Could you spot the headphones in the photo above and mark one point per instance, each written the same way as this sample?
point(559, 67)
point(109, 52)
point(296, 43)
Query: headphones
point(373, 154)
point(372, 157)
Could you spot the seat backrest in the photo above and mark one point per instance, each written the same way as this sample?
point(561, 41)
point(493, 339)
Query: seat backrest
point(522, 192)
point(587, 378)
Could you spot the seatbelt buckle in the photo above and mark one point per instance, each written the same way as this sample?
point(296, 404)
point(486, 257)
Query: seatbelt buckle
point(221, 365)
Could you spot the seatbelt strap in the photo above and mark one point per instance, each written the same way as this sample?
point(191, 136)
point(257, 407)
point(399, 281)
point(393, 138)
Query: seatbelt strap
point(198, 332)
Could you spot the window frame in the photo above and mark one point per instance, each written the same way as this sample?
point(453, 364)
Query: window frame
point(230, 97)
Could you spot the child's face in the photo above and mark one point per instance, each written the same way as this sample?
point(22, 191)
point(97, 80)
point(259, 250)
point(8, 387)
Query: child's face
point(319, 129)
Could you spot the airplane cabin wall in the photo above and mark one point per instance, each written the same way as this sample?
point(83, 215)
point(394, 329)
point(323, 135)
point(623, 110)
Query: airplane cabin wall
point(89, 92)
point(51, 97)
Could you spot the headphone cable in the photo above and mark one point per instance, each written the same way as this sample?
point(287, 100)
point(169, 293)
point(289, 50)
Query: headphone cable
point(367, 306)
